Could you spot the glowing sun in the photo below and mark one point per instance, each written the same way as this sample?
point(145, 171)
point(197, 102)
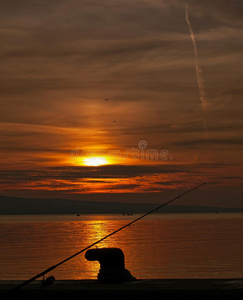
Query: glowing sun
point(95, 161)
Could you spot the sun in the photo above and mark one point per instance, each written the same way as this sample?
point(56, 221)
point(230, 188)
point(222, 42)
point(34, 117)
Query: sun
point(95, 161)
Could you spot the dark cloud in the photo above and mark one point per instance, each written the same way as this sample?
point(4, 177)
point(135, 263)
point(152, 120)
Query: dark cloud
point(168, 183)
point(102, 172)
point(223, 10)
point(120, 187)
point(76, 173)
point(208, 142)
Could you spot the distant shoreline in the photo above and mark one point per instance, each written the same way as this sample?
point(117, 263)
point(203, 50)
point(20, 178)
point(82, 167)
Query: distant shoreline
point(26, 206)
point(120, 214)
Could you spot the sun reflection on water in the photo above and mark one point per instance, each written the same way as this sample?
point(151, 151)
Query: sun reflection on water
point(93, 231)
point(176, 247)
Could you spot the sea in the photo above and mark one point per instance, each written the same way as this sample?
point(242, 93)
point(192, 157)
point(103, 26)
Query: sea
point(163, 246)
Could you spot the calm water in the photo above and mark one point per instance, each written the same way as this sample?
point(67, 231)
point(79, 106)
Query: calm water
point(159, 246)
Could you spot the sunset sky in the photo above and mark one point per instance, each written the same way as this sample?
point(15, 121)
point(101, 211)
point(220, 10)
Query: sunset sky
point(119, 96)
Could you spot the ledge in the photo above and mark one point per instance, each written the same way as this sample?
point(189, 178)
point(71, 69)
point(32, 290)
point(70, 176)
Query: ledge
point(78, 289)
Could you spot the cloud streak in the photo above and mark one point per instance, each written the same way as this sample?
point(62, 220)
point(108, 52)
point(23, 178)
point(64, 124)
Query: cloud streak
point(202, 93)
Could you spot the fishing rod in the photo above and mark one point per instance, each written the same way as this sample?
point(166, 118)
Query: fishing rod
point(102, 239)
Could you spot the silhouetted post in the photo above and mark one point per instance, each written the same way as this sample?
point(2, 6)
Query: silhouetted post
point(112, 264)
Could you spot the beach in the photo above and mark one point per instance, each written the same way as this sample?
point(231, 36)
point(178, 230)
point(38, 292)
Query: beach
point(151, 288)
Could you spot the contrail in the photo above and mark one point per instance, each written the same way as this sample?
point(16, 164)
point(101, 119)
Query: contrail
point(202, 94)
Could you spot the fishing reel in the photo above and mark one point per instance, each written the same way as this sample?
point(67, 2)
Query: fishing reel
point(48, 281)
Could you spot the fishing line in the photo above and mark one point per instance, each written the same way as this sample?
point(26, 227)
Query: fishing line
point(102, 239)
